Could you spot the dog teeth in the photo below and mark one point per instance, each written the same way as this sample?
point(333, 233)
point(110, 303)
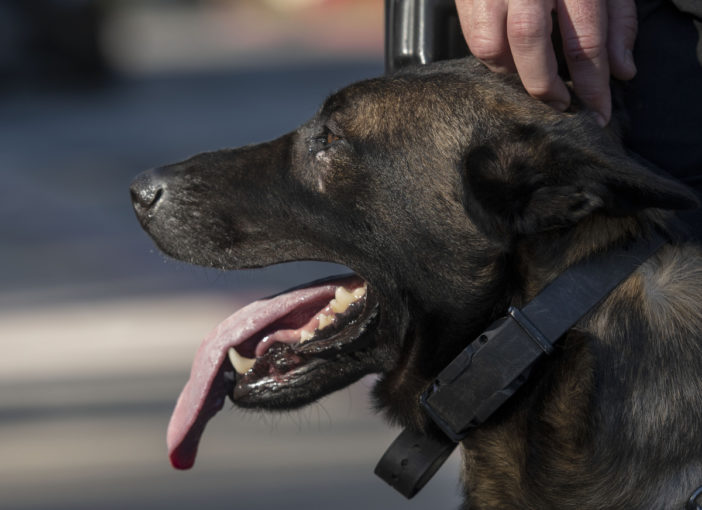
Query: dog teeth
point(306, 335)
point(359, 292)
point(338, 305)
point(239, 362)
point(343, 298)
point(324, 320)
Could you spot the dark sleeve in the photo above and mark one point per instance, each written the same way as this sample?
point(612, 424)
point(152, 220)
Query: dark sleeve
point(663, 102)
point(694, 9)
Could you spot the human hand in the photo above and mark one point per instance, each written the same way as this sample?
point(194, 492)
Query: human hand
point(515, 35)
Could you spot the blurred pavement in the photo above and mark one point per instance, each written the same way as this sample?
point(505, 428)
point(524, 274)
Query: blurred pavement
point(97, 329)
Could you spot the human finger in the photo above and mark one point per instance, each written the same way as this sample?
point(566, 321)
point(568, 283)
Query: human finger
point(484, 27)
point(529, 35)
point(583, 25)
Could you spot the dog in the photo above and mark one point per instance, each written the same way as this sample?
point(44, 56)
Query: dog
point(451, 195)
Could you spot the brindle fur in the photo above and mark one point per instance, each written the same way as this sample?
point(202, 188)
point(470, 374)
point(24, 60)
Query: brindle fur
point(455, 195)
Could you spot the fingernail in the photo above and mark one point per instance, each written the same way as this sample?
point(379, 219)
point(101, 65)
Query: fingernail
point(557, 105)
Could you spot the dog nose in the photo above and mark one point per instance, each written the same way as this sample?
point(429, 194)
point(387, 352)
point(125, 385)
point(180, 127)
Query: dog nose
point(147, 190)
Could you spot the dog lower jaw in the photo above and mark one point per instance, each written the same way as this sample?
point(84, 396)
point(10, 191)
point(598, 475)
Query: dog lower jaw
point(304, 382)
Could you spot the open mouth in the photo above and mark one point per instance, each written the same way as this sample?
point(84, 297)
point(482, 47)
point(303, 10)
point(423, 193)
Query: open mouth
point(270, 353)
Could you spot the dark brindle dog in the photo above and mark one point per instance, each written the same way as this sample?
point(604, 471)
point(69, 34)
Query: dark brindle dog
point(452, 195)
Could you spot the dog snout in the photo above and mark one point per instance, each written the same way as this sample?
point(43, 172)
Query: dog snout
point(147, 191)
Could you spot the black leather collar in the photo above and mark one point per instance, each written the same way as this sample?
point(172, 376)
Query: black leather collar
point(489, 371)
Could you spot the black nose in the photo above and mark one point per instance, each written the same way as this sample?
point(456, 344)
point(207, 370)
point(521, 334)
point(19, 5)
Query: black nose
point(147, 190)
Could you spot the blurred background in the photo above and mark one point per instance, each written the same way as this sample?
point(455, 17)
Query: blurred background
point(97, 329)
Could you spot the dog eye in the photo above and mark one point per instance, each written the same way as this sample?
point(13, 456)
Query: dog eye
point(331, 138)
point(323, 142)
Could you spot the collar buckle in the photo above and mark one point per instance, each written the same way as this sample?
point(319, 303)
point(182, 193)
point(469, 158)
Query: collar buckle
point(485, 375)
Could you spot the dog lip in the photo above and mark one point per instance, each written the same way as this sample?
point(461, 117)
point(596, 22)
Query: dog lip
point(205, 392)
point(281, 366)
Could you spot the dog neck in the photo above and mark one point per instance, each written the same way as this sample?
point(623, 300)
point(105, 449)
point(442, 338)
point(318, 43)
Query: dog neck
point(556, 429)
point(539, 259)
point(493, 367)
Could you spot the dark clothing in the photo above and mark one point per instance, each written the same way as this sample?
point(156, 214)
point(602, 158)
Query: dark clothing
point(664, 101)
point(693, 8)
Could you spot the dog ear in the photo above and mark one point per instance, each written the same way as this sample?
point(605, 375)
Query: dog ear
point(536, 180)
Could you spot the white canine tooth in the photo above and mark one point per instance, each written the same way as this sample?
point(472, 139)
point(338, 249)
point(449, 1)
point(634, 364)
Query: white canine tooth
point(239, 362)
point(324, 320)
point(306, 335)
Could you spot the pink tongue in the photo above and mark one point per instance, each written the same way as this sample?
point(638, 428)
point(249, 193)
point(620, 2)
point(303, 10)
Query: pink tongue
point(207, 388)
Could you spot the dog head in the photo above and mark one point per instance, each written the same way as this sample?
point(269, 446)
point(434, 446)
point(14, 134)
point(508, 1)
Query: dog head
point(425, 183)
